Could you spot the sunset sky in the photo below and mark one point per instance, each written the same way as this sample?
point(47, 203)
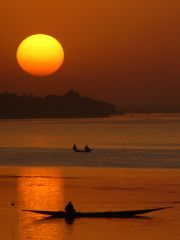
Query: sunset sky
point(123, 51)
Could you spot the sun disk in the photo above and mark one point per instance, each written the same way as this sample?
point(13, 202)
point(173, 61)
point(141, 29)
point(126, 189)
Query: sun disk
point(40, 55)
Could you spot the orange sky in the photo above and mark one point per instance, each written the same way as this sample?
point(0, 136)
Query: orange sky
point(123, 51)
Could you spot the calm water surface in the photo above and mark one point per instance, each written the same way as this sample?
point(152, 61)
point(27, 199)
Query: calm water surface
point(90, 189)
point(132, 140)
point(135, 164)
point(126, 131)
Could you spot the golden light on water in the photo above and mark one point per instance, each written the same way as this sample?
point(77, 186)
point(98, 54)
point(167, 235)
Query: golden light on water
point(43, 189)
point(39, 190)
point(40, 55)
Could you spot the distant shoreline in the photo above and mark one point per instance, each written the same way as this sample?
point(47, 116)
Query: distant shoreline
point(62, 117)
point(71, 105)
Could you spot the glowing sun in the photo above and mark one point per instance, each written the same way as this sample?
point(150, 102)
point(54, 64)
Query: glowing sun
point(40, 55)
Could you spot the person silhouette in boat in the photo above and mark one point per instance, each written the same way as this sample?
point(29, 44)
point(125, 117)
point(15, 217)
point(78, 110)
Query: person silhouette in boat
point(87, 149)
point(69, 209)
point(74, 147)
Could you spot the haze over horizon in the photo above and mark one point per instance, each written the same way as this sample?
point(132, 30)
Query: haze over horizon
point(123, 52)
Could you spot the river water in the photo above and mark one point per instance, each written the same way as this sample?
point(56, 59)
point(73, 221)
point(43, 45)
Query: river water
point(134, 165)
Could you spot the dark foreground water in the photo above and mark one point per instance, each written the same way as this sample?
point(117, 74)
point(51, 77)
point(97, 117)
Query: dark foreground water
point(134, 158)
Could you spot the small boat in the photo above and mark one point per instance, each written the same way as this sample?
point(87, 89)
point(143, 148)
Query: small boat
point(81, 150)
point(85, 150)
point(109, 214)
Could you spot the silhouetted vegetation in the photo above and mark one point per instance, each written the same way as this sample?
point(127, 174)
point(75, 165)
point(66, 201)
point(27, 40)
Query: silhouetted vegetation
point(52, 106)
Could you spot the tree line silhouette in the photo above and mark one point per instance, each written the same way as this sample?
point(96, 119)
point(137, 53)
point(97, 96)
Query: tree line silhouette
point(53, 106)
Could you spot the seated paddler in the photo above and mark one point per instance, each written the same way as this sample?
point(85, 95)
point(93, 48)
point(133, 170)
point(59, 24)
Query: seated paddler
point(74, 148)
point(69, 209)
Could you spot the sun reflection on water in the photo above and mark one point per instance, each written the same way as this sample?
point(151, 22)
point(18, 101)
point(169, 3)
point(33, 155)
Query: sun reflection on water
point(38, 189)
